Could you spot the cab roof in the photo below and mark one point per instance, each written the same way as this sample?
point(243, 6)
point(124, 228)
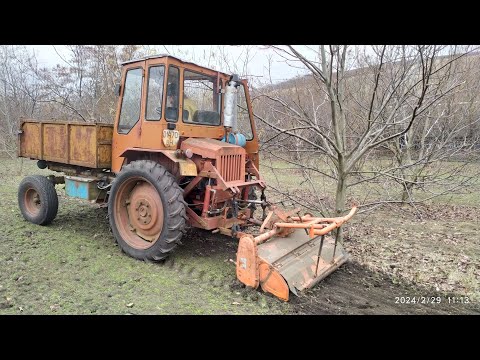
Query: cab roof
point(157, 56)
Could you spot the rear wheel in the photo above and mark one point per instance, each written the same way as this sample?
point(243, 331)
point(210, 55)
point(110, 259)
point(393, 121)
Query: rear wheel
point(146, 211)
point(38, 200)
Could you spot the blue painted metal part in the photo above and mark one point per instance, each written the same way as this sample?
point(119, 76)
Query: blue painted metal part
point(237, 139)
point(80, 188)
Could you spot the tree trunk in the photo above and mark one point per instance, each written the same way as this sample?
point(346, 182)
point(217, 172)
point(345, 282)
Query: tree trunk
point(406, 193)
point(340, 198)
point(341, 195)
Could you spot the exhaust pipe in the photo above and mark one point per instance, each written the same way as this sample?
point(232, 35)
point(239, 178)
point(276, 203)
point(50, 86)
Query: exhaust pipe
point(230, 107)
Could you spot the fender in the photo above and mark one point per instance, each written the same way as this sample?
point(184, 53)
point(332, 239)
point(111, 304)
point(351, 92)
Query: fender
point(187, 167)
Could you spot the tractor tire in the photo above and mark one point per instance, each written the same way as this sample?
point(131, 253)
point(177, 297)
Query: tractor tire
point(38, 200)
point(146, 211)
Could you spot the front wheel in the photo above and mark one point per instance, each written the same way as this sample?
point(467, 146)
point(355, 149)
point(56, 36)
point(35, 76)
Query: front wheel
point(146, 211)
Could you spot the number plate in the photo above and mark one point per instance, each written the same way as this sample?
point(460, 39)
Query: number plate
point(170, 138)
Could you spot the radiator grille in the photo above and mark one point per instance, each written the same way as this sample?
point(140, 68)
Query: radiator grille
point(232, 167)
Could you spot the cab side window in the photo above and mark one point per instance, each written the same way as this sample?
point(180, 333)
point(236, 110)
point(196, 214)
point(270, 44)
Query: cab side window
point(132, 96)
point(171, 111)
point(200, 99)
point(156, 75)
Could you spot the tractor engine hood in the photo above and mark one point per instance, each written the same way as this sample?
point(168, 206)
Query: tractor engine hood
point(211, 148)
point(229, 158)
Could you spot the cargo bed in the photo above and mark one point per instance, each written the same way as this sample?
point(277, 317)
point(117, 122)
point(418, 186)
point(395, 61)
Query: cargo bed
point(83, 144)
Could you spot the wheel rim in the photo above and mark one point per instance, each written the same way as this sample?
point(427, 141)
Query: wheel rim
point(138, 213)
point(32, 201)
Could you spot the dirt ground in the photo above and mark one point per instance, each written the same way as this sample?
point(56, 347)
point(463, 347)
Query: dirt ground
point(353, 289)
point(73, 266)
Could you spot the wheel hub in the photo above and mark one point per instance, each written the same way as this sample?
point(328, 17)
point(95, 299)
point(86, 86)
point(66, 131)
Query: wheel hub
point(144, 215)
point(32, 201)
point(145, 212)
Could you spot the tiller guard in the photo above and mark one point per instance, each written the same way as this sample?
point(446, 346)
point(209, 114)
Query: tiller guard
point(293, 255)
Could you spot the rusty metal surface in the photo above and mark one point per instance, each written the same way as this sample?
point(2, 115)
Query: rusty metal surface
point(215, 222)
point(82, 145)
point(187, 168)
point(229, 160)
point(295, 257)
point(55, 142)
point(138, 213)
point(31, 140)
point(104, 156)
point(73, 143)
point(104, 146)
point(210, 148)
point(315, 225)
point(32, 202)
point(231, 166)
point(273, 282)
point(247, 266)
point(146, 134)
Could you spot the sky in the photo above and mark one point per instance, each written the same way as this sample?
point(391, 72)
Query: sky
point(258, 64)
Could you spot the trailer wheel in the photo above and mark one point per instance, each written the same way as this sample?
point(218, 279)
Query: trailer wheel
point(146, 211)
point(38, 200)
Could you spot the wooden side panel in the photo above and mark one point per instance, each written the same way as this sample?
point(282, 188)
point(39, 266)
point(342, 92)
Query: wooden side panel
point(105, 134)
point(55, 143)
point(82, 147)
point(104, 146)
point(31, 141)
point(82, 144)
point(104, 156)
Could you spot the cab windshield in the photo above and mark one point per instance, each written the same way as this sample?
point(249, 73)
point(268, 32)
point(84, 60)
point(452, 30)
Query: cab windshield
point(200, 99)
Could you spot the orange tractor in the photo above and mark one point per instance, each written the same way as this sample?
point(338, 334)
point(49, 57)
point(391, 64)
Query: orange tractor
point(183, 151)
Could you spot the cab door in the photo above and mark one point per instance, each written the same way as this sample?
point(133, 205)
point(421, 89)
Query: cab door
point(153, 122)
point(161, 116)
point(128, 124)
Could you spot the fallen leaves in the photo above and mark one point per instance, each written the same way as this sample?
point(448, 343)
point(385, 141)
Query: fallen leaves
point(428, 252)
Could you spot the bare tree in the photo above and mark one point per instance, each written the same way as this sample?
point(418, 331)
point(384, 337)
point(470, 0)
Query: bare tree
point(20, 93)
point(446, 132)
point(82, 86)
point(354, 100)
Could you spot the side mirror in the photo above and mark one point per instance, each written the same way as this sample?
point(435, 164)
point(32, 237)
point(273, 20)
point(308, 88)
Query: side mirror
point(117, 89)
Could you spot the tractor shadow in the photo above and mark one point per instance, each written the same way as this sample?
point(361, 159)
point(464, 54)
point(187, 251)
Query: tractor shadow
point(204, 243)
point(91, 221)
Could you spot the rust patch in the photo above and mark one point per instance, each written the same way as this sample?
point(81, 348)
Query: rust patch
point(30, 141)
point(55, 142)
point(88, 145)
point(83, 145)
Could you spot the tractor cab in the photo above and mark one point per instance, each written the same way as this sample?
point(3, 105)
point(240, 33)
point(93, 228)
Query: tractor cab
point(164, 100)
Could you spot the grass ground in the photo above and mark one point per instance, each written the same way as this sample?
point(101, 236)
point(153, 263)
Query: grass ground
point(73, 266)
